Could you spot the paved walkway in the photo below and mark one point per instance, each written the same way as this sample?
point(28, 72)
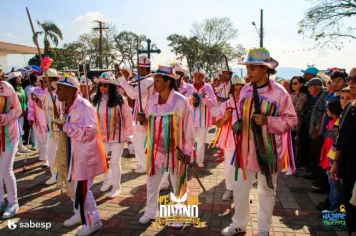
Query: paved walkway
point(294, 213)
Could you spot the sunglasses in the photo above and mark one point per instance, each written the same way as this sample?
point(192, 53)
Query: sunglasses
point(103, 85)
point(295, 83)
point(352, 79)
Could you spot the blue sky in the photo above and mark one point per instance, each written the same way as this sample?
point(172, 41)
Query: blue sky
point(158, 18)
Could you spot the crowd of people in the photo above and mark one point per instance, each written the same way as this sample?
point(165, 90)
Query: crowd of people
point(263, 127)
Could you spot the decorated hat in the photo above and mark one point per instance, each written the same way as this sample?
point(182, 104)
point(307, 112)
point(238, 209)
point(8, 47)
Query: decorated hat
point(13, 75)
point(69, 80)
point(144, 62)
point(315, 82)
point(237, 80)
point(260, 56)
point(199, 70)
point(51, 73)
point(166, 71)
point(311, 70)
point(84, 80)
point(107, 78)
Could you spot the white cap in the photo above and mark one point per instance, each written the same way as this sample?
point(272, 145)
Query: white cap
point(13, 75)
point(144, 61)
point(199, 71)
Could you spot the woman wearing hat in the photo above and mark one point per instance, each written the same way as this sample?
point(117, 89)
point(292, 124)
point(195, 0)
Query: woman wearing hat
point(202, 101)
point(116, 126)
point(15, 79)
point(38, 122)
point(86, 154)
point(10, 111)
point(225, 139)
point(169, 123)
point(269, 129)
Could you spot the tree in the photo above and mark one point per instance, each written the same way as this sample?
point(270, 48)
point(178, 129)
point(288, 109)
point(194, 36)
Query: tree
point(125, 44)
point(208, 45)
point(214, 31)
point(329, 21)
point(51, 33)
point(68, 57)
point(185, 47)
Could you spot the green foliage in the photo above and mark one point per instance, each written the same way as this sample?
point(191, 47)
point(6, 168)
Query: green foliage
point(330, 21)
point(208, 45)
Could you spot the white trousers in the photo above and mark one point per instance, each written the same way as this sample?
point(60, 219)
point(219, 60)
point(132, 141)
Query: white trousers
point(41, 141)
point(229, 170)
point(266, 200)
point(114, 172)
point(139, 139)
point(52, 145)
point(153, 186)
point(7, 175)
point(200, 136)
point(90, 209)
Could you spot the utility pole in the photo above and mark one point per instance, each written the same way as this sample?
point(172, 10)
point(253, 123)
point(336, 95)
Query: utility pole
point(100, 28)
point(261, 29)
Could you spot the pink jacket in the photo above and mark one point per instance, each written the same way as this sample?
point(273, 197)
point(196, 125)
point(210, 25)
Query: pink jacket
point(10, 111)
point(147, 90)
point(186, 89)
point(202, 114)
point(116, 123)
point(177, 105)
point(225, 138)
point(277, 105)
point(36, 110)
point(223, 89)
point(81, 126)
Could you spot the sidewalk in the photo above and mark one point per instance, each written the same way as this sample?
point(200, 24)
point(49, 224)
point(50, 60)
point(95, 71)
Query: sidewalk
point(294, 213)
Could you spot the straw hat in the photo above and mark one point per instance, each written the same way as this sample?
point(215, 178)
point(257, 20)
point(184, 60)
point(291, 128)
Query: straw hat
point(260, 56)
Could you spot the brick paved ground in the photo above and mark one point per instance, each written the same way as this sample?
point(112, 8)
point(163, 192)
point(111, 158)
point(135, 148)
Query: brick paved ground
point(294, 213)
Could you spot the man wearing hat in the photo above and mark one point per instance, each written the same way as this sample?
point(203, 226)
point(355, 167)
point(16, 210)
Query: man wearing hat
point(87, 158)
point(184, 88)
point(310, 73)
point(314, 112)
point(203, 101)
point(169, 123)
point(267, 116)
point(53, 132)
point(146, 91)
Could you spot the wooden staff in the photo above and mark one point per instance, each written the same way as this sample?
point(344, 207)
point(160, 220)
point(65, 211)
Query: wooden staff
point(41, 60)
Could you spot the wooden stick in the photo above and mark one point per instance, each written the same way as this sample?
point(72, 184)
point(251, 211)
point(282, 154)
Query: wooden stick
point(41, 60)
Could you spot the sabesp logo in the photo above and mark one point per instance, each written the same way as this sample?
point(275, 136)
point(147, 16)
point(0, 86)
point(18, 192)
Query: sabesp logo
point(11, 224)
